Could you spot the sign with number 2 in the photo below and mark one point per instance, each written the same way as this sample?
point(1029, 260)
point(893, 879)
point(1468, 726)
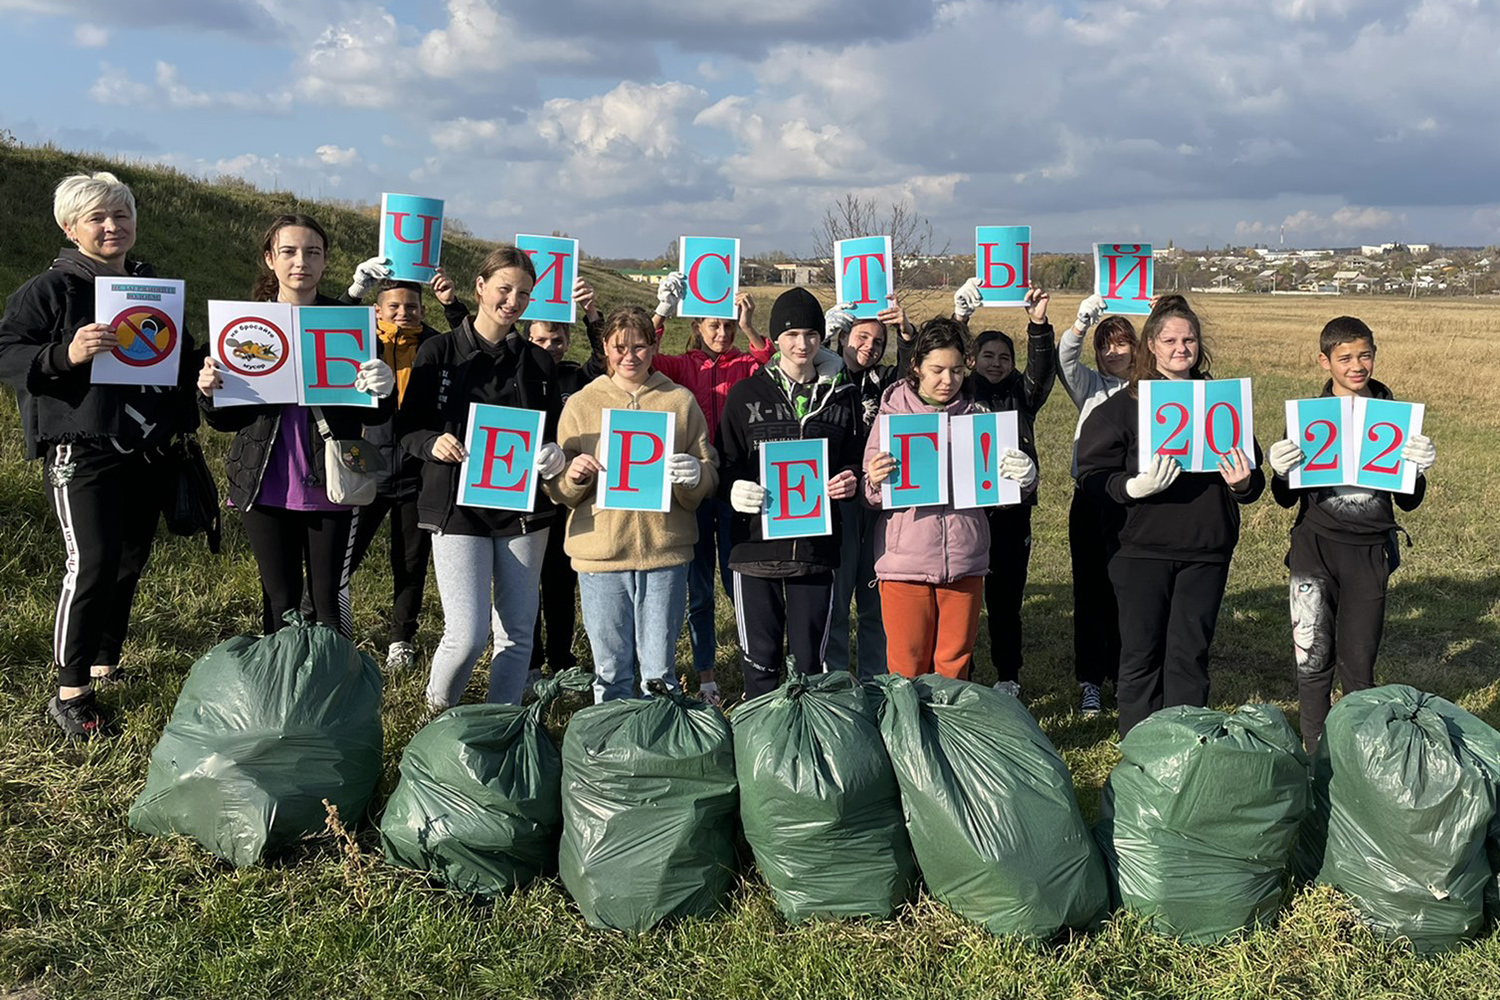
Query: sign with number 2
point(1353, 441)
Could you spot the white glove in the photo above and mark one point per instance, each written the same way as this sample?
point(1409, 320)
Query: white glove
point(1285, 456)
point(836, 323)
point(967, 300)
point(684, 470)
point(1163, 472)
point(367, 275)
point(1420, 451)
point(669, 293)
point(550, 460)
point(376, 378)
point(1089, 311)
point(747, 497)
point(1018, 465)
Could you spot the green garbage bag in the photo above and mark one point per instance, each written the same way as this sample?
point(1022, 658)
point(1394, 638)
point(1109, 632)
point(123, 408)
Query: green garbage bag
point(479, 803)
point(649, 799)
point(265, 729)
point(819, 801)
point(990, 809)
point(1200, 816)
point(1401, 810)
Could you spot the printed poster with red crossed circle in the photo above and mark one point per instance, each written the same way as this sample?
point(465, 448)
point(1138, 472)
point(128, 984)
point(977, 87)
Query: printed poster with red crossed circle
point(253, 345)
point(146, 314)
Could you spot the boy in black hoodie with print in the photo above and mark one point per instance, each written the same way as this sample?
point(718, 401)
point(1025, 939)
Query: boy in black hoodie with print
point(1343, 543)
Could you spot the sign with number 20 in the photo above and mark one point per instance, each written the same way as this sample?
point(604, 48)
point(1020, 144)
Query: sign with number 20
point(1194, 421)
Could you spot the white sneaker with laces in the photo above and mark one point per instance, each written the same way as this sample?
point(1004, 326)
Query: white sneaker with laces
point(400, 656)
point(1012, 688)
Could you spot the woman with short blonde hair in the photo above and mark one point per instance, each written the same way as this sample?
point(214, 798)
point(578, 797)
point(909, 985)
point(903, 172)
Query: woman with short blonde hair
point(103, 446)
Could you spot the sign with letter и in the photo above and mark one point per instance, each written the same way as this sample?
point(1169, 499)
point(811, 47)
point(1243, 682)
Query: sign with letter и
point(863, 274)
point(1002, 263)
point(1195, 421)
point(332, 342)
point(146, 314)
point(633, 448)
point(411, 235)
point(556, 261)
point(919, 443)
point(1125, 275)
point(1353, 441)
point(712, 267)
point(979, 439)
point(795, 475)
point(499, 467)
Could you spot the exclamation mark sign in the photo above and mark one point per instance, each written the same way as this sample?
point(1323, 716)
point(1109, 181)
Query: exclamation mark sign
point(984, 460)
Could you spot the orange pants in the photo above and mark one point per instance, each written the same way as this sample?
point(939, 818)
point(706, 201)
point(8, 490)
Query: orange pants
point(931, 627)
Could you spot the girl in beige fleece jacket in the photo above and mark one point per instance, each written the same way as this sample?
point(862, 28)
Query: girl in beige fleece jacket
point(632, 565)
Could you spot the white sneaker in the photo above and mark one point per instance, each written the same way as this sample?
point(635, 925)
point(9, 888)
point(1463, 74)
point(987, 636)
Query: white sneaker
point(1089, 703)
point(400, 656)
point(1012, 688)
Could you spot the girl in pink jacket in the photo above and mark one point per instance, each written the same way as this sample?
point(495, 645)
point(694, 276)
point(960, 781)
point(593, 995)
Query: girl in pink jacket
point(931, 561)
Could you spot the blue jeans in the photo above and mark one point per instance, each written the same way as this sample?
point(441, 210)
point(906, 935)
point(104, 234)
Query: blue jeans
point(855, 579)
point(631, 617)
point(713, 541)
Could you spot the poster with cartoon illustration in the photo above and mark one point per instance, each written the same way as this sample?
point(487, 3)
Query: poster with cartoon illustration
point(146, 315)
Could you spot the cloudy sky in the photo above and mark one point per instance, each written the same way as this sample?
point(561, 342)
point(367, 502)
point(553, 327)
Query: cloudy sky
point(626, 123)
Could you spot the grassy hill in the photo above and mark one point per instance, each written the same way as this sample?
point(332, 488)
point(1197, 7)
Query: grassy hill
point(208, 232)
point(89, 908)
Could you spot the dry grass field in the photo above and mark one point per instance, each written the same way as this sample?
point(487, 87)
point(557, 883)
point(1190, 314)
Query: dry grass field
point(88, 908)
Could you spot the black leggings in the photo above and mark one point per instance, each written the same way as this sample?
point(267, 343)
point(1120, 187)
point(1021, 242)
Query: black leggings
point(1005, 586)
point(559, 607)
point(1096, 617)
point(411, 549)
point(797, 609)
point(286, 542)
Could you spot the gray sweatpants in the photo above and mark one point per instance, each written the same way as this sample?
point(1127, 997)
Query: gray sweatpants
point(486, 585)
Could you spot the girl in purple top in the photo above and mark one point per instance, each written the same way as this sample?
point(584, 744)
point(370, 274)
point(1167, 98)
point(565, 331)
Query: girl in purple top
point(275, 464)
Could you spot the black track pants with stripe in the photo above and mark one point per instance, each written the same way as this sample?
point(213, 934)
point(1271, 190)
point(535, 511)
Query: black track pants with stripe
point(107, 505)
point(286, 542)
point(768, 610)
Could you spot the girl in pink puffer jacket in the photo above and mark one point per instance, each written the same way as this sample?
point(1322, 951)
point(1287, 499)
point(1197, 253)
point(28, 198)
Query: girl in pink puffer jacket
point(931, 561)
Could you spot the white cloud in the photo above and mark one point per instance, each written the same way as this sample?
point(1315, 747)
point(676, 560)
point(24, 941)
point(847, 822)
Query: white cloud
point(338, 157)
point(90, 36)
point(114, 86)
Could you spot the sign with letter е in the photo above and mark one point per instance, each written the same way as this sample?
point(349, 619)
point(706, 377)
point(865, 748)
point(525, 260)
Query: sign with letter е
point(146, 314)
point(556, 261)
point(919, 443)
point(795, 475)
point(979, 439)
point(863, 275)
point(633, 448)
point(1195, 421)
point(499, 467)
point(1125, 275)
point(1002, 263)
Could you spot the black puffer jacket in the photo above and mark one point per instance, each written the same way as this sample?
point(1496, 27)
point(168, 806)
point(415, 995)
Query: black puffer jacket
point(56, 398)
point(452, 371)
point(255, 429)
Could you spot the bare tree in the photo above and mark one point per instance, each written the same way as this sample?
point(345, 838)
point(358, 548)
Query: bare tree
point(911, 234)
